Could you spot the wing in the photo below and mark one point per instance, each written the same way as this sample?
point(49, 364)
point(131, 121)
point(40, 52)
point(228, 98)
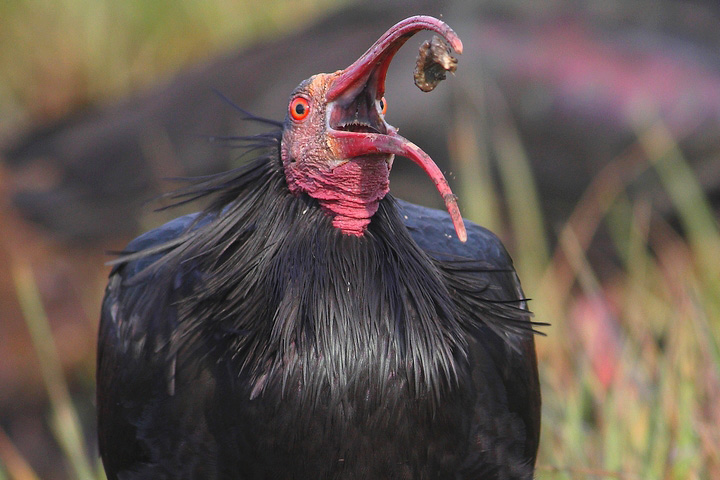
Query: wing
point(486, 289)
point(141, 372)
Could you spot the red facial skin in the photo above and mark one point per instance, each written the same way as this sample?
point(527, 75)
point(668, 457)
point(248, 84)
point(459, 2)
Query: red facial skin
point(340, 152)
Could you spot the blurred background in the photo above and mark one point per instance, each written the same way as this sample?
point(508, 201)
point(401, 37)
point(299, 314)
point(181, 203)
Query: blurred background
point(585, 133)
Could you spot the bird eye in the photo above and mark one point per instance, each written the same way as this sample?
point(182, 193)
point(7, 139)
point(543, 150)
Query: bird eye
point(383, 105)
point(299, 108)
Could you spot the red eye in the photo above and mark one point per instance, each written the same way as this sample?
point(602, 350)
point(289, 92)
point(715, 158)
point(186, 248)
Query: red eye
point(299, 108)
point(383, 105)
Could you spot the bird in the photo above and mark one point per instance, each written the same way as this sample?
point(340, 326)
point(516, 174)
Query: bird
point(307, 324)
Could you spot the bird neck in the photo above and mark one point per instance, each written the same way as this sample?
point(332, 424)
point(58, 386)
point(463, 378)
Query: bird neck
point(288, 292)
point(350, 193)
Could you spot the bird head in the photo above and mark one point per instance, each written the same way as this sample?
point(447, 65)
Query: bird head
point(336, 145)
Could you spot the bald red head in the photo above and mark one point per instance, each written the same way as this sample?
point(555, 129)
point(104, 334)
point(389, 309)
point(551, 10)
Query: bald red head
point(336, 145)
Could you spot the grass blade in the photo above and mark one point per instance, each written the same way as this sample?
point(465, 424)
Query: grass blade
point(64, 416)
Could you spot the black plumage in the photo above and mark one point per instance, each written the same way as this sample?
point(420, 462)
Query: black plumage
point(256, 340)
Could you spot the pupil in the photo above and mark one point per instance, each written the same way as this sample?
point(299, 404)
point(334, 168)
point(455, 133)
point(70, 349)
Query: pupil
point(299, 108)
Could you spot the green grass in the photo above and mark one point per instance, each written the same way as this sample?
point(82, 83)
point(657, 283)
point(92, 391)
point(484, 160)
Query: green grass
point(63, 415)
point(630, 368)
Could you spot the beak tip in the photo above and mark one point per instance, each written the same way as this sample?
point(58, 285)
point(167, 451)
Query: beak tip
point(457, 45)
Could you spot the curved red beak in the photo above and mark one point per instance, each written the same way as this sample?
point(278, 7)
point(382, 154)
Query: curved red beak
point(367, 74)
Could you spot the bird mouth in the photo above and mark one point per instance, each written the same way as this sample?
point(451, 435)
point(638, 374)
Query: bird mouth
point(358, 127)
point(355, 124)
point(357, 111)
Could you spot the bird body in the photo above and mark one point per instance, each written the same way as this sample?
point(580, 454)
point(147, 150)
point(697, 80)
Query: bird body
point(297, 331)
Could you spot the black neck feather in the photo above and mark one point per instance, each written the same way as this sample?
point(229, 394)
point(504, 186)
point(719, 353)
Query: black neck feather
point(279, 291)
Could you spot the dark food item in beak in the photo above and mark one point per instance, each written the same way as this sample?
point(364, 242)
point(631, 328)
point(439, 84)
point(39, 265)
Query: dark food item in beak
point(434, 59)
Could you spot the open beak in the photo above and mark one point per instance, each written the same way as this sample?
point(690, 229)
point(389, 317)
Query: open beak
point(355, 125)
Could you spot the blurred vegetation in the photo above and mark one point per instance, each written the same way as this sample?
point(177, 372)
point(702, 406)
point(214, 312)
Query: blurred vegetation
point(57, 55)
point(630, 368)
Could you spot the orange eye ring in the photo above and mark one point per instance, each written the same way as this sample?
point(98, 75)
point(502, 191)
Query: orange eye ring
point(383, 105)
point(299, 108)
